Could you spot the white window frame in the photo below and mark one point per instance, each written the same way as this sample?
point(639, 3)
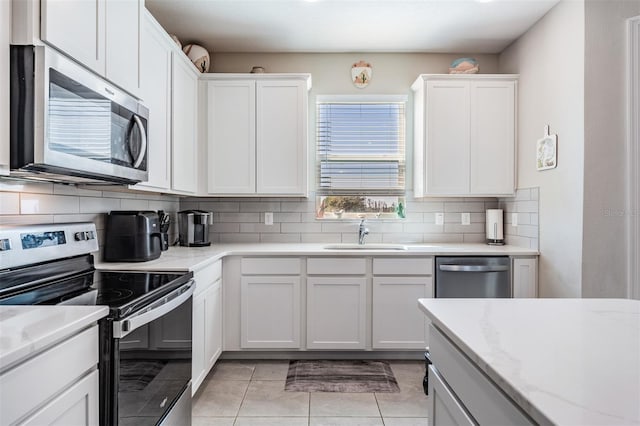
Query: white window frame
point(360, 99)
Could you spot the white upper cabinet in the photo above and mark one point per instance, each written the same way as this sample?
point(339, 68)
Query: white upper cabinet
point(184, 132)
point(493, 130)
point(5, 40)
point(231, 137)
point(123, 22)
point(103, 35)
point(76, 27)
point(155, 90)
point(257, 134)
point(281, 137)
point(465, 130)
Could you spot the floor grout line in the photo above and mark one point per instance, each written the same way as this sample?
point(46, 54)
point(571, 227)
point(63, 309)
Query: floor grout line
point(236, 420)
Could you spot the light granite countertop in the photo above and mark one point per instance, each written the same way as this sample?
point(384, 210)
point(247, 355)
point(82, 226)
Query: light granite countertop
point(25, 330)
point(563, 361)
point(195, 258)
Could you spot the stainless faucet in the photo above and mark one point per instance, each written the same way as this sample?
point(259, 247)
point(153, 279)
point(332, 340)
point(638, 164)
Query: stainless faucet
point(362, 232)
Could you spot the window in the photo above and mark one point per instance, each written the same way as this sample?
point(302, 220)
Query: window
point(360, 157)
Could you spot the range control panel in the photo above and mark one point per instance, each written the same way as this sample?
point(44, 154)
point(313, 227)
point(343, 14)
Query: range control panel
point(28, 244)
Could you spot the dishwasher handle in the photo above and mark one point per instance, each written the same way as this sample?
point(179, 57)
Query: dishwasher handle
point(474, 268)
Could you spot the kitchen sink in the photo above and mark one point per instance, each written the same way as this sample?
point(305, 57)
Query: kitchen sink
point(346, 246)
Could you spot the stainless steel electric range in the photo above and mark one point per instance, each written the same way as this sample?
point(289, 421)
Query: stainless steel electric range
point(145, 341)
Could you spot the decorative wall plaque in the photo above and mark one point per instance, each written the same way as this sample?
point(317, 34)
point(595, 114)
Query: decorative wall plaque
point(547, 151)
point(361, 74)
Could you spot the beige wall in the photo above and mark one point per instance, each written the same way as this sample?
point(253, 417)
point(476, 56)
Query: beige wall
point(604, 251)
point(550, 61)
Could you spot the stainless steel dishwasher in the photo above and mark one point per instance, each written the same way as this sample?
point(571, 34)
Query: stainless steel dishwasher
point(477, 277)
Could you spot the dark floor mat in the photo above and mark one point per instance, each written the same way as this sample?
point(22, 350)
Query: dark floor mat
point(340, 376)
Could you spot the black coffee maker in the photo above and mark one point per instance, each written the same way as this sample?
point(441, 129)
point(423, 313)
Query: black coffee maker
point(132, 236)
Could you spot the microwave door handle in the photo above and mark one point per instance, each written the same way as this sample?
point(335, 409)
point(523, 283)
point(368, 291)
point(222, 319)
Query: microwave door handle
point(473, 268)
point(143, 142)
point(126, 326)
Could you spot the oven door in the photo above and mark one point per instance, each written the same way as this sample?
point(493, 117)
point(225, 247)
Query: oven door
point(152, 362)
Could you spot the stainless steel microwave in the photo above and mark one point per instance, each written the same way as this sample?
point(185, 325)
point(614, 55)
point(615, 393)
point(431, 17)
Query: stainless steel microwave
point(69, 125)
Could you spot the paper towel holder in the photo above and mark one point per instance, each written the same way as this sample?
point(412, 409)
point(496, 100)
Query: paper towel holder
point(494, 227)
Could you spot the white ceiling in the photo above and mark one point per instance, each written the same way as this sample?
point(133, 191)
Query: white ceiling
point(454, 26)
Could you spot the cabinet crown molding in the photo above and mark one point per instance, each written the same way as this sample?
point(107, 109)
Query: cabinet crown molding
point(483, 77)
point(259, 77)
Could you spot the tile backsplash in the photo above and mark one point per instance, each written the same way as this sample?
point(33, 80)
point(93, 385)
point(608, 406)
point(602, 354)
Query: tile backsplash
point(37, 203)
point(241, 220)
point(526, 205)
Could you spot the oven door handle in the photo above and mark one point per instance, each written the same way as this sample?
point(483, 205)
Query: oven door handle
point(474, 268)
point(155, 310)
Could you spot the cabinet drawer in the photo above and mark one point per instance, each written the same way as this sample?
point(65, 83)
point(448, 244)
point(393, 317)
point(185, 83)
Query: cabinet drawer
point(337, 266)
point(446, 409)
point(207, 276)
point(270, 266)
point(33, 382)
point(403, 266)
point(480, 396)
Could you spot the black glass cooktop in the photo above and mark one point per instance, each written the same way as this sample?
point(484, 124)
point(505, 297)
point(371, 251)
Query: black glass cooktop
point(123, 292)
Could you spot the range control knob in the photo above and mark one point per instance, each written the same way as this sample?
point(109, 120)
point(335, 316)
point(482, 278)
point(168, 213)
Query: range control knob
point(84, 235)
point(5, 244)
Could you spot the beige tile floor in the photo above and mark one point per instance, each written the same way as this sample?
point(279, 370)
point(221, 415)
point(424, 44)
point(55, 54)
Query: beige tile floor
point(251, 393)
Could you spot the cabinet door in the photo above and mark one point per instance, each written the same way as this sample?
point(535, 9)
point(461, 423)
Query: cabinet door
point(198, 371)
point(447, 138)
point(155, 89)
point(336, 312)
point(123, 43)
point(525, 277)
point(270, 312)
point(231, 118)
point(492, 141)
point(5, 40)
point(184, 96)
point(213, 324)
point(397, 321)
point(77, 406)
point(76, 27)
point(281, 137)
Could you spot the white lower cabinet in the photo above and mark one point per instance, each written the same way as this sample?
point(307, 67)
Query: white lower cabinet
point(398, 283)
point(34, 393)
point(76, 406)
point(213, 324)
point(397, 321)
point(198, 370)
point(336, 312)
point(446, 409)
point(461, 393)
point(524, 277)
point(270, 312)
point(270, 303)
point(207, 323)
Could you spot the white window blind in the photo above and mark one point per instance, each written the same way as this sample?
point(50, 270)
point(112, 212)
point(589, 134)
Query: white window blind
point(361, 147)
